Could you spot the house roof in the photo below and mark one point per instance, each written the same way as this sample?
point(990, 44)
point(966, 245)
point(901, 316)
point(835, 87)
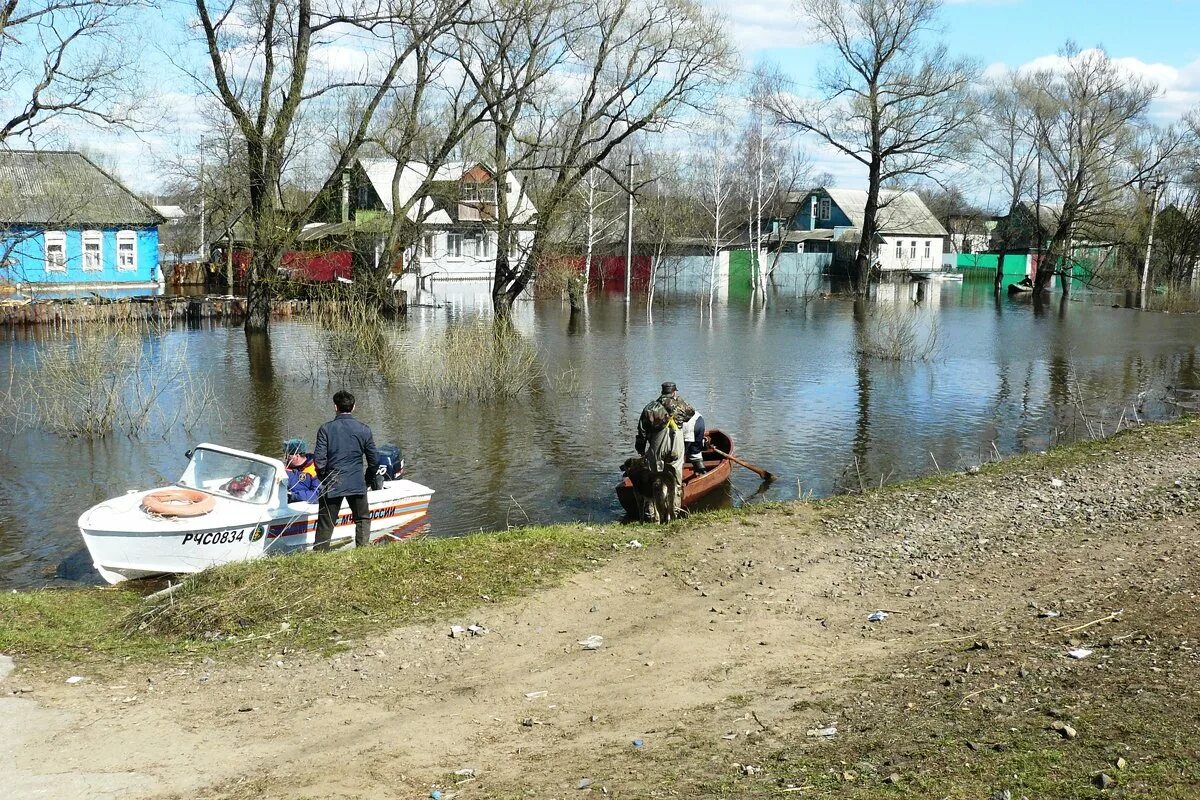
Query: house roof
point(439, 206)
point(65, 189)
point(1047, 214)
point(899, 212)
point(171, 212)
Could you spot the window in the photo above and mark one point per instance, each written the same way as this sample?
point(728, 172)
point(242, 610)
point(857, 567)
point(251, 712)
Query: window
point(454, 243)
point(479, 192)
point(928, 254)
point(427, 245)
point(56, 251)
point(485, 245)
point(912, 251)
point(469, 246)
point(826, 209)
point(93, 259)
point(899, 249)
point(362, 196)
point(126, 250)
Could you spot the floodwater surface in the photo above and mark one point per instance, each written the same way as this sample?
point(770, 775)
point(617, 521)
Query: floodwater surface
point(788, 382)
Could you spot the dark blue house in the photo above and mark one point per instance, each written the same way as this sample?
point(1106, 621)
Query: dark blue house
point(67, 224)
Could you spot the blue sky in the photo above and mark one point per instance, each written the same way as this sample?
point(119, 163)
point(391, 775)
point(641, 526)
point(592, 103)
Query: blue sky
point(1157, 39)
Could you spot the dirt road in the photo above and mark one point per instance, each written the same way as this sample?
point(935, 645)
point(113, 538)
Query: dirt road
point(732, 640)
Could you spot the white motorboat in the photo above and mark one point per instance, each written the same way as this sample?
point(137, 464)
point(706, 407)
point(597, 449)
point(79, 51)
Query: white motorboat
point(229, 506)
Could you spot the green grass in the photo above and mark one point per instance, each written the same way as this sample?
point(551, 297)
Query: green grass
point(311, 601)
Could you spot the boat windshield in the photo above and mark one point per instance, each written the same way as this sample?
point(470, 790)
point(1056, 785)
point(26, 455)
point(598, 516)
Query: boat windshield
point(227, 475)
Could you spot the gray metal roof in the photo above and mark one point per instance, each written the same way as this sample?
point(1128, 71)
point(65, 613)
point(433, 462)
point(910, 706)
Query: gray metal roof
point(65, 189)
point(899, 212)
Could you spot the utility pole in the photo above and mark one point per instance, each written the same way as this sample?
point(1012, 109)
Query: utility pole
point(629, 230)
point(203, 259)
point(1149, 247)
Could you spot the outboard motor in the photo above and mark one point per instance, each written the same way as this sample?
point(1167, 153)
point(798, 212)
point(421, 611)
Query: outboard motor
point(391, 465)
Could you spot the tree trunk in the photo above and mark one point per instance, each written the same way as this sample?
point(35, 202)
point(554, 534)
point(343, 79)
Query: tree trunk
point(999, 285)
point(258, 292)
point(866, 242)
point(1048, 263)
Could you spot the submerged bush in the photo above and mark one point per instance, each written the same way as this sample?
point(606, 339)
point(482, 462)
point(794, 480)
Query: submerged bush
point(100, 377)
point(476, 360)
point(1176, 299)
point(896, 334)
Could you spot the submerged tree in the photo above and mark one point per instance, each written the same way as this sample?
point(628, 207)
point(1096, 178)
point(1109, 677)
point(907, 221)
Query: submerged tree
point(567, 83)
point(264, 59)
point(891, 102)
point(1009, 152)
point(1094, 144)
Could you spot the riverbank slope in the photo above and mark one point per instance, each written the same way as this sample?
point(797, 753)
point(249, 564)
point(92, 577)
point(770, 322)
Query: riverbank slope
point(731, 647)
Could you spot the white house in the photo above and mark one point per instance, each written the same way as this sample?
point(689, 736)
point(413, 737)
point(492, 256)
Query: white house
point(456, 214)
point(909, 236)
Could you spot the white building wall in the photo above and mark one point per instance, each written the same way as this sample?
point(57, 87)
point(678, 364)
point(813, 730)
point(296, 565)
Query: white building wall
point(916, 253)
point(464, 260)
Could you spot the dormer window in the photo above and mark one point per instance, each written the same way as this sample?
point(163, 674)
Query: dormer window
point(826, 209)
point(479, 192)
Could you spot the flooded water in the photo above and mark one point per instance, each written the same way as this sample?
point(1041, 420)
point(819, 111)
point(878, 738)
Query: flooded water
point(787, 382)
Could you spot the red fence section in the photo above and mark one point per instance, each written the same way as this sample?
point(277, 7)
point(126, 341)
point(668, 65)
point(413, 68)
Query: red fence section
point(608, 273)
point(311, 266)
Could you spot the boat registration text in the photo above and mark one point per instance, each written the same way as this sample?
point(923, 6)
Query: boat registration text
point(215, 537)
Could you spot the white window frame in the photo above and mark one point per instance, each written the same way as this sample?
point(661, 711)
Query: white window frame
point(428, 245)
point(476, 192)
point(94, 238)
point(485, 249)
point(471, 246)
point(131, 238)
point(59, 239)
point(928, 251)
point(899, 249)
point(454, 249)
point(912, 251)
point(826, 209)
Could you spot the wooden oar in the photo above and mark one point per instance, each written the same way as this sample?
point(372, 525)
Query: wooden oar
point(759, 471)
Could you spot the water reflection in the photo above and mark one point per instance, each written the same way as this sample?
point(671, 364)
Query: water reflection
point(788, 380)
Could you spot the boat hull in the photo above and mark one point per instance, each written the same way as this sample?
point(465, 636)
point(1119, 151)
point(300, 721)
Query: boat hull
point(399, 511)
point(694, 486)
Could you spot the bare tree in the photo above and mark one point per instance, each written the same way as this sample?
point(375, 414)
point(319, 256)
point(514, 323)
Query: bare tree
point(663, 216)
point(261, 55)
point(773, 169)
point(1009, 151)
point(1093, 145)
point(567, 83)
point(713, 171)
point(894, 104)
point(67, 60)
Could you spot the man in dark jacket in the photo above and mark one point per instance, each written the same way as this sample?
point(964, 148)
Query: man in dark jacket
point(342, 444)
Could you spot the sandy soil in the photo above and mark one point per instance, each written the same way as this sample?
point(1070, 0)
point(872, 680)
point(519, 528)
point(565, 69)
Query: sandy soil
point(749, 628)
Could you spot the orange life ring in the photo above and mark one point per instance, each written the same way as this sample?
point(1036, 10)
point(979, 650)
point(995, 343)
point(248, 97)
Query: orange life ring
point(179, 503)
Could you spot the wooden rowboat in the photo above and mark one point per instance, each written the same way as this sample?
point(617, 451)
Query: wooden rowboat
point(694, 486)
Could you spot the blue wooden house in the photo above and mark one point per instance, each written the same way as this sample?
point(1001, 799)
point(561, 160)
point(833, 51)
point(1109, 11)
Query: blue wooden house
point(67, 224)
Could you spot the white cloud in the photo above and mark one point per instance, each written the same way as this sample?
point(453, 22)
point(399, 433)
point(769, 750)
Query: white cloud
point(762, 25)
point(1178, 87)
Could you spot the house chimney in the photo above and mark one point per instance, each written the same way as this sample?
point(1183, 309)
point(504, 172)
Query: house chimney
point(346, 196)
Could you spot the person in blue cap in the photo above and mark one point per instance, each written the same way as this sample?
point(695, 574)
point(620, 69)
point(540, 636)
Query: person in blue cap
point(303, 485)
